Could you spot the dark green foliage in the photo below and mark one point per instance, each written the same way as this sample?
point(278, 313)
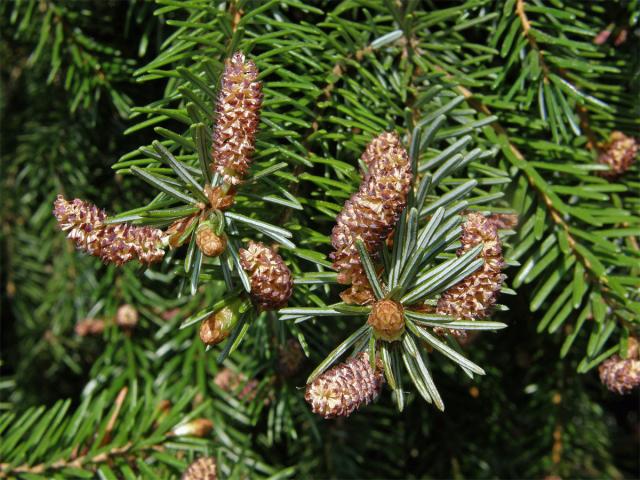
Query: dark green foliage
point(502, 106)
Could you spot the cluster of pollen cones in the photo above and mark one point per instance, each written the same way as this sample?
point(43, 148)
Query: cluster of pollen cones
point(371, 213)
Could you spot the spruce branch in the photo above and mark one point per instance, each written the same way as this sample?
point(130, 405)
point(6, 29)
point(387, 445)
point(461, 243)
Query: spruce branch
point(555, 206)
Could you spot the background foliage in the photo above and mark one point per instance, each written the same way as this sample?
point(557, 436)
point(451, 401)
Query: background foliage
point(519, 89)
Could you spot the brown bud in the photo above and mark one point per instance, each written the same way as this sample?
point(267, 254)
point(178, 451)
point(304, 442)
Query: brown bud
point(358, 295)
point(345, 388)
point(127, 316)
point(271, 282)
point(217, 326)
point(618, 153)
point(176, 231)
point(387, 320)
point(203, 468)
point(211, 244)
point(200, 427)
point(220, 198)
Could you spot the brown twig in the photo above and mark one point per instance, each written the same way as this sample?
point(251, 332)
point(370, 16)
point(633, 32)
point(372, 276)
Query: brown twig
point(7, 471)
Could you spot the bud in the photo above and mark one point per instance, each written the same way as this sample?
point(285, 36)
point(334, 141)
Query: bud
point(113, 243)
point(203, 468)
point(217, 326)
point(618, 153)
point(200, 427)
point(211, 244)
point(474, 297)
point(220, 198)
point(371, 214)
point(271, 283)
point(622, 375)
point(127, 316)
point(345, 388)
point(238, 116)
point(176, 231)
point(358, 295)
point(387, 320)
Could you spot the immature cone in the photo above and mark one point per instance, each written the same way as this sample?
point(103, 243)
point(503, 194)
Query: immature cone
point(203, 468)
point(238, 115)
point(371, 214)
point(619, 154)
point(211, 244)
point(113, 243)
point(271, 283)
point(622, 375)
point(473, 298)
point(345, 388)
point(217, 326)
point(387, 320)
